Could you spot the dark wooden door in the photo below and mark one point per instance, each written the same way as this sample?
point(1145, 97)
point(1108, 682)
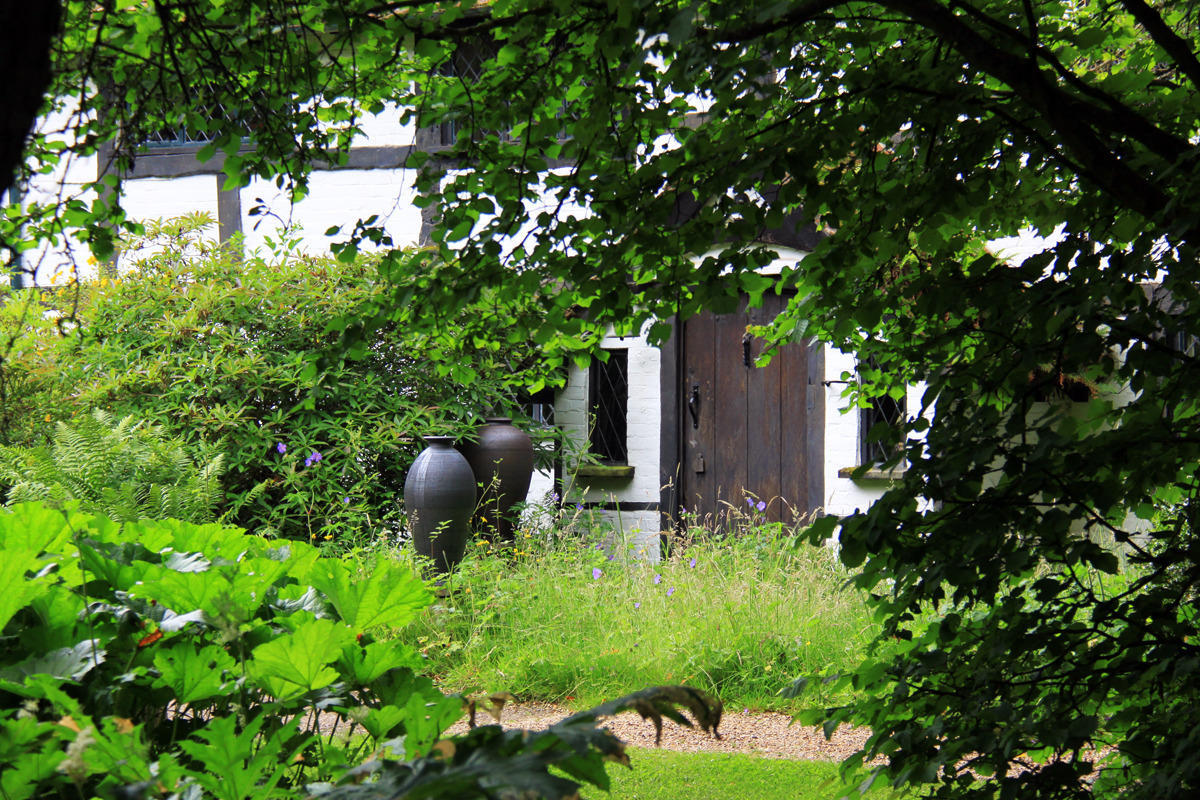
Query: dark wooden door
point(748, 432)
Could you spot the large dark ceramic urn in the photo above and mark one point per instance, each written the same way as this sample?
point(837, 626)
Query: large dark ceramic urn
point(439, 497)
point(502, 461)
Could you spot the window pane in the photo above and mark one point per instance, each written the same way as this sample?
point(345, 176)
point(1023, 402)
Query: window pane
point(608, 403)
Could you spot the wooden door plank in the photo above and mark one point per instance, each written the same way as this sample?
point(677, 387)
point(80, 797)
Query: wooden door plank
point(699, 457)
point(815, 425)
point(763, 463)
point(793, 446)
point(730, 386)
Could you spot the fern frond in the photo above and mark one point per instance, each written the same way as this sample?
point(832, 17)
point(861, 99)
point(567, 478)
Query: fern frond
point(125, 469)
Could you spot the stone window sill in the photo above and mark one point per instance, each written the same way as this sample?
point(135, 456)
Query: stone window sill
point(609, 471)
point(872, 474)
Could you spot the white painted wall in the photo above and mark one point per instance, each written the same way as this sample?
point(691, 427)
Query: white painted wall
point(843, 432)
point(162, 198)
point(636, 530)
point(339, 198)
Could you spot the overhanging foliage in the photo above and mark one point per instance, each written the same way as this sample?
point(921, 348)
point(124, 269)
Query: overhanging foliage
point(911, 132)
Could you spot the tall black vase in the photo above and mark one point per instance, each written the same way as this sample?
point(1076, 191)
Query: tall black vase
point(439, 496)
point(502, 461)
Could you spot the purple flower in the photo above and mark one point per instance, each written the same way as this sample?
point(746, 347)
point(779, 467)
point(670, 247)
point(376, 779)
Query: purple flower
point(657, 579)
point(313, 458)
point(750, 501)
point(579, 506)
point(597, 546)
point(670, 591)
point(762, 506)
point(346, 500)
point(636, 606)
point(596, 573)
point(280, 448)
point(692, 563)
point(612, 556)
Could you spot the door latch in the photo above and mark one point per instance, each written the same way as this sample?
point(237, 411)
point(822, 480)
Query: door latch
point(693, 404)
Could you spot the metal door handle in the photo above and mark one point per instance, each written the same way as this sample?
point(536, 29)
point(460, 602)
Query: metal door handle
point(694, 405)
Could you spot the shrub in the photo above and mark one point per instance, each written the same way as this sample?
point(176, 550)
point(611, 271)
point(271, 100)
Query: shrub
point(123, 469)
point(223, 349)
point(137, 652)
point(168, 659)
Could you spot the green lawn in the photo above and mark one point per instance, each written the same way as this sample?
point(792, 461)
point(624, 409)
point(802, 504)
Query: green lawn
point(666, 775)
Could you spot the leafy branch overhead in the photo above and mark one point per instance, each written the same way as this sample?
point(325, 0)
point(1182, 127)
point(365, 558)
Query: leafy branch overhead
point(1037, 567)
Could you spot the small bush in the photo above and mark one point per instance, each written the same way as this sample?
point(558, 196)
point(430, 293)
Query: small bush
point(247, 354)
point(163, 650)
point(164, 659)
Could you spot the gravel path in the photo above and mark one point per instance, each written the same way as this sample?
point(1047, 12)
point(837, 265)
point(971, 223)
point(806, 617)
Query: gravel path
point(761, 733)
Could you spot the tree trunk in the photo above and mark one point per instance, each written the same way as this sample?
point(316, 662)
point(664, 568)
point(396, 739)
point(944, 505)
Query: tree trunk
point(27, 31)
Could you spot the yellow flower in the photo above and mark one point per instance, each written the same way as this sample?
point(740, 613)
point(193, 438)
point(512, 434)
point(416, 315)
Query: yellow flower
point(48, 418)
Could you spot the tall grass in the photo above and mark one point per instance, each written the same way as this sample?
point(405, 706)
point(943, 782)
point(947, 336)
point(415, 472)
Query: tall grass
point(569, 614)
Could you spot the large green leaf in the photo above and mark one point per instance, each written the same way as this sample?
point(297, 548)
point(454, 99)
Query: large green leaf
point(25, 767)
point(33, 526)
point(221, 593)
point(65, 663)
point(297, 662)
point(118, 564)
point(388, 595)
point(193, 674)
point(19, 590)
point(381, 723)
point(364, 664)
point(239, 764)
point(55, 617)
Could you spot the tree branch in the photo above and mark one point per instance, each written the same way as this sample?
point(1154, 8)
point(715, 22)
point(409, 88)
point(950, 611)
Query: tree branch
point(1176, 47)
